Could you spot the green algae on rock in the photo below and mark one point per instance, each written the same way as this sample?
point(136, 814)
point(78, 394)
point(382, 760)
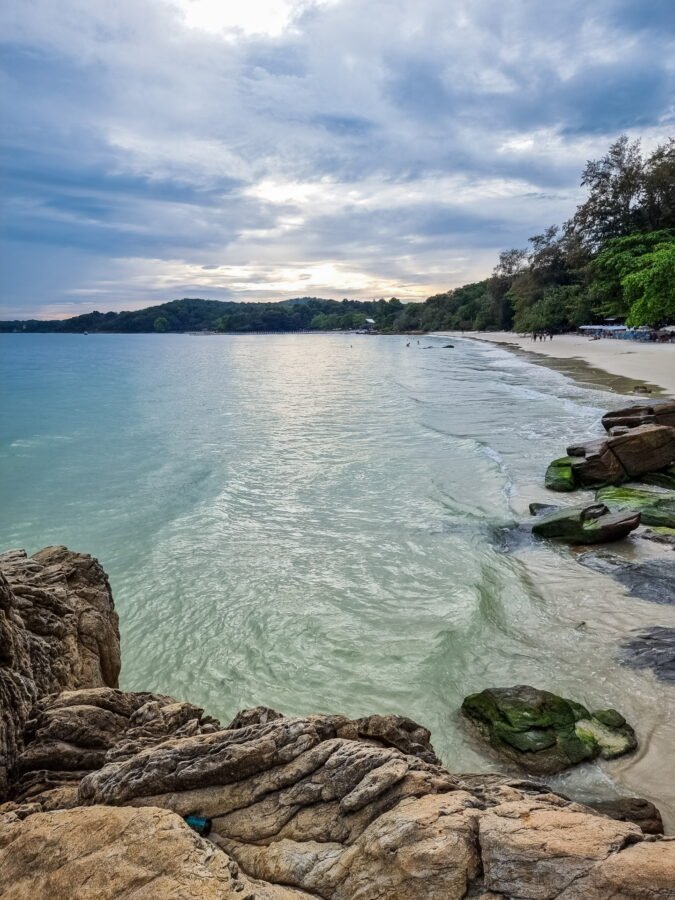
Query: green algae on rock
point(544, 733)
point(559, 475)
point(655, 507)
point(589, 524)
point(616, 459)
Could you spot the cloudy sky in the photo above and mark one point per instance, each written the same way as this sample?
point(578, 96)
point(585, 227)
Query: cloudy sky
point(262, 149)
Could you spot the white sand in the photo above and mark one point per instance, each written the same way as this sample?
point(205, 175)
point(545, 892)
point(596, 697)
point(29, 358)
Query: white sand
point(651, 363)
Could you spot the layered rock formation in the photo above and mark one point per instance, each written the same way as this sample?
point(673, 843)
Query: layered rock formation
point(660, 413)
point(58, 631)
point(615, 459)
point(99, 781)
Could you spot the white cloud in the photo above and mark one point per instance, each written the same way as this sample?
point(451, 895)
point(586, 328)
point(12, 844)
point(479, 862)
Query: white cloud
point(374, 147)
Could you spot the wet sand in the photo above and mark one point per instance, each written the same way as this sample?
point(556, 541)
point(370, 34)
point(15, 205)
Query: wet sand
point(623, 365)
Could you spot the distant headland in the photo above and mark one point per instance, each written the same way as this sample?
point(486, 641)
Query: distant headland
point(614, 259)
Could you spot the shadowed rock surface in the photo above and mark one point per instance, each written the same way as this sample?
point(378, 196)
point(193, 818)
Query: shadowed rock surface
point(304, 807)
point(58, 630)
point(631, 809)
point(652, 648)
point(652, 579)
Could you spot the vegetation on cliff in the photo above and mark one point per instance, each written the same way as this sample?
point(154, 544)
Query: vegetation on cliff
point(614, 258)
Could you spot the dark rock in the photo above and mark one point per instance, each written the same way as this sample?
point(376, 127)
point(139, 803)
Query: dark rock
point(663, 479)
point(536, 509)
point(58, 631)
point(592, 524)
point(665, 536)
point(544, 733)
point(631, 809)
point(652, 648)
point(653, 579)
point(392, 731)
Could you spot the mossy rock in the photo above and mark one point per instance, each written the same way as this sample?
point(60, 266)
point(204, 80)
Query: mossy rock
point(544, 733)
point(589, 524)
point(655, 507)
point(560, 475)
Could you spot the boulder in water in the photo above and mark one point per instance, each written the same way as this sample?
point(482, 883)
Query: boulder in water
point(536, 509)
point(659, 413)
point(660, 535)
point(544, 733)
point(614, 460)
point(631, 809)
point(591, 524)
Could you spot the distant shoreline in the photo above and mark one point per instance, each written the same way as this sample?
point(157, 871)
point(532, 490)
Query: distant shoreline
point(625, 364)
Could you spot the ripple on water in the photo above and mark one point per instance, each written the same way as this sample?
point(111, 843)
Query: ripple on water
point(324, 523)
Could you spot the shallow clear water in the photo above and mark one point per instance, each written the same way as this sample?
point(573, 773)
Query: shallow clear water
point(320, 523)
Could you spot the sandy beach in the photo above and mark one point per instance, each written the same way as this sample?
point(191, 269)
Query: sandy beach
point(651, 364)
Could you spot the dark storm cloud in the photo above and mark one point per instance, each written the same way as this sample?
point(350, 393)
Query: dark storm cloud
point(386, 138)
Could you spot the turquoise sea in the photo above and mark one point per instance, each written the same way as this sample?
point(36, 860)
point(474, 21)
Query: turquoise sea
point(325, 523)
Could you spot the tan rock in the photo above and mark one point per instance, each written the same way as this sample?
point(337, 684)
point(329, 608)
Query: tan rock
point(534, 851)
point(321, 806)
point(645, 871)
point(101, 853)
point(58, 631)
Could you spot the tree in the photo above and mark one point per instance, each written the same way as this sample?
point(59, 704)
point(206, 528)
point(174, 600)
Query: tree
point(650, 289)
point(615, 185)
point(621, 258)
point(659, 188)
point(161, 324)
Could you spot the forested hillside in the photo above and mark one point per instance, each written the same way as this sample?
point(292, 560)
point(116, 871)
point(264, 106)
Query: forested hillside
point(614, 257)
point(301, 314)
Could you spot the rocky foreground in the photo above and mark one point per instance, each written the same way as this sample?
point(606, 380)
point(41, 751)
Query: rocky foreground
point(95, 784)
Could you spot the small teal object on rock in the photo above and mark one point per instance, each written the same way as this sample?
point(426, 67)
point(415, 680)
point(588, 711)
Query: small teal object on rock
point(199, 824)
